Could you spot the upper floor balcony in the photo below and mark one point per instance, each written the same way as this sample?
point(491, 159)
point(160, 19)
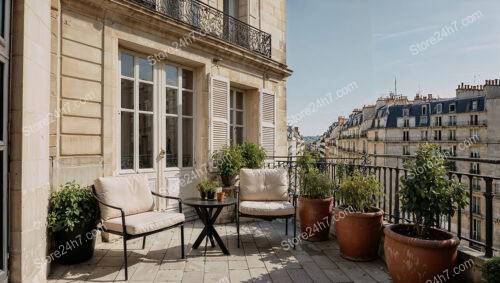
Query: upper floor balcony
point(211, 21)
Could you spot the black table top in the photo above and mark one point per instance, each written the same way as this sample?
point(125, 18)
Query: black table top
point(208, 203)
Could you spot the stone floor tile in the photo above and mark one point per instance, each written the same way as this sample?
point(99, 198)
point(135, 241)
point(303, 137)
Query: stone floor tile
point(103, 274)
point(260, 275)
point(192, 276)
point(146, 271)
point(239, 276)
point(238, 264)
point(169, 275)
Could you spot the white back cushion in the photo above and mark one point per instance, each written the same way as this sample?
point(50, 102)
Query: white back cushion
point(264, 184)
point(130, 192)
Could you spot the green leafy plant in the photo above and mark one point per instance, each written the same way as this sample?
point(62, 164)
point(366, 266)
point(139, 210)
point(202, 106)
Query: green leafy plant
point(316, 185)
point(359, 191)
point(426, 191)
point(71, 208)
point(306, 162)
point(206, 185)
point(491, 270)
point(253, 155)
point(229, 161)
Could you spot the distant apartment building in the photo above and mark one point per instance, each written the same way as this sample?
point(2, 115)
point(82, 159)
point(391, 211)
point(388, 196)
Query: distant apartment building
point(466, 126)
point(97, 88)
point(295, 141)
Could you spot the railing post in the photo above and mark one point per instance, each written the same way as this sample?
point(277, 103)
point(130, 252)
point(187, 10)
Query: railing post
point(396, 197)
point(488, 195)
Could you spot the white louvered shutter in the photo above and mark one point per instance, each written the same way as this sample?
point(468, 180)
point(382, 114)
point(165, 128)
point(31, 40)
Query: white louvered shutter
point(268, 121)
point(219, 112)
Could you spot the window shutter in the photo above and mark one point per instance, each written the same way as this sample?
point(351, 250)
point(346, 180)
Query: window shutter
point(268, 121)
point(219, 112)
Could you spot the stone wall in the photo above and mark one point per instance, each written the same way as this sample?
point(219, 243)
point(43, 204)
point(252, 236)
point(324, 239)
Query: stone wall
point(29, 134)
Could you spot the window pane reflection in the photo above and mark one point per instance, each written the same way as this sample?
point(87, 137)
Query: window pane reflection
point(145, 141)
point(127, 94)
point(187, 142)
point(171, 101)
point(145, 70)
point(187, 103)
point(127, 140)
point(145, 97)
point(171, 135)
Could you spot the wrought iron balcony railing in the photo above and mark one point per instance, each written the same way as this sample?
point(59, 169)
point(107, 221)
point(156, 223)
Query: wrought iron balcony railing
point(209, 20)
point(389, 202)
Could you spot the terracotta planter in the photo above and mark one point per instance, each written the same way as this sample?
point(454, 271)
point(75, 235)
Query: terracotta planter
point(358, 234)
point(416, 260)
point(220, 196)
point(315, 218)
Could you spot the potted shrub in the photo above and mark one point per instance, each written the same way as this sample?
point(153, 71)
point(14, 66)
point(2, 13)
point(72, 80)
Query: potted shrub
point(418, 252)
point(358, 223)
point(72, 220)
point(207, 189)
point(315, 201)
point(229, 161)
point(491, 270)
point(253, 155)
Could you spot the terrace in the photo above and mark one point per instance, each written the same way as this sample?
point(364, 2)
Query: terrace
point(264, 258)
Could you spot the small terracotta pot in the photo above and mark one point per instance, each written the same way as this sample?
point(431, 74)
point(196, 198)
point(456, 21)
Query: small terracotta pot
point(315, 218)
point(358, 234)
point(220, 196)
point(411, 259)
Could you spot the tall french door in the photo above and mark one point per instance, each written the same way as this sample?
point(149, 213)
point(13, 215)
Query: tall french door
point(4, 115)
point(156, 118)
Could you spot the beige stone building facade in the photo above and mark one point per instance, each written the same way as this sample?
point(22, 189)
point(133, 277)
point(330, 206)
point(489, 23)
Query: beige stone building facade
point(466, 127)
point(97, 88)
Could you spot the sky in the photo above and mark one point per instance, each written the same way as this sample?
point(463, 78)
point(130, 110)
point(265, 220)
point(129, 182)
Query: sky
point(347, 53)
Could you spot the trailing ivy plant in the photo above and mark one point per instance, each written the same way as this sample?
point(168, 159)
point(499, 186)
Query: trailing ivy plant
point(491, 270)
point(360, 191)
point(72, 207)
point(426, 192)
point(253, 155)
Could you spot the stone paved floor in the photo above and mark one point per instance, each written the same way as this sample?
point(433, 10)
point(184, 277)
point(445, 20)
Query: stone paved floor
point(261, 258)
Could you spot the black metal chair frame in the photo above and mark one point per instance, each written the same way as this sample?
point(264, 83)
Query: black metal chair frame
point(292, 195)
point(127, 236)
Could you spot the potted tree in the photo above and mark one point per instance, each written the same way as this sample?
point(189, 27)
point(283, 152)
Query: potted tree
point(229, 161)
point(358, 223)
point(72, 220)
point(418, 252)
point(315, 200)
point(253, 155)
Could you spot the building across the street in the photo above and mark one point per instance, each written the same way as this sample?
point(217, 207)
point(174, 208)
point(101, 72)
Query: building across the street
point(466, 127)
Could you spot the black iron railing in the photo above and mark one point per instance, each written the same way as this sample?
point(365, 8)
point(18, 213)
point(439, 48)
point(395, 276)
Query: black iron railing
point(211, 21)
point(389, 176)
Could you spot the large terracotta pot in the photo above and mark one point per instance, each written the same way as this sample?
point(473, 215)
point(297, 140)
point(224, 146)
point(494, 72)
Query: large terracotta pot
point(315, 218)
point(358, 234)
point(416, 260)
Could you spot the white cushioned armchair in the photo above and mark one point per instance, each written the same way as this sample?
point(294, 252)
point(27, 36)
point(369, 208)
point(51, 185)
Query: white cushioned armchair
point(265, 194)
point(127, 207)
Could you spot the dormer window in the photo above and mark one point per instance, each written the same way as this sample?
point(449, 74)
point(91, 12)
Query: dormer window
point(406, 112)
point(452, 107)
point(439, 108)
point(474, 105)
point(424, 109)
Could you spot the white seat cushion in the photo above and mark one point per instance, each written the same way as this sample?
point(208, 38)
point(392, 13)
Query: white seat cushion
point(130, 192)
point(267, 208)
point(144, 222)
point(264, 184)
